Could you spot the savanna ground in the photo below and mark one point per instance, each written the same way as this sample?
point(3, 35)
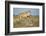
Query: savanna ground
point(26, 22)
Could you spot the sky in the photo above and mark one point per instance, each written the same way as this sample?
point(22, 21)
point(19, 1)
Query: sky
point(32, 11)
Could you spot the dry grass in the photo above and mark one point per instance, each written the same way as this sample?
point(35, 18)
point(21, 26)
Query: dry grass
point(26, 22)
point(36, 21)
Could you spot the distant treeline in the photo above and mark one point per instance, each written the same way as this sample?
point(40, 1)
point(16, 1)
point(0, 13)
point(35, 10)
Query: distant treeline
point(30, 15)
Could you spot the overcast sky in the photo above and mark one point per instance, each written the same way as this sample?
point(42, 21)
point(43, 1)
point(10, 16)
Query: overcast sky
point(32, 11)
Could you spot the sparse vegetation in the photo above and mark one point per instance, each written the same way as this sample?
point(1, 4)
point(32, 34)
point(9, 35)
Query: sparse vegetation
point(25, 21)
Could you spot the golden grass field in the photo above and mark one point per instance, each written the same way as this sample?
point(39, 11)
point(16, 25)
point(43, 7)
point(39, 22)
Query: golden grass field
point(25, 22)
